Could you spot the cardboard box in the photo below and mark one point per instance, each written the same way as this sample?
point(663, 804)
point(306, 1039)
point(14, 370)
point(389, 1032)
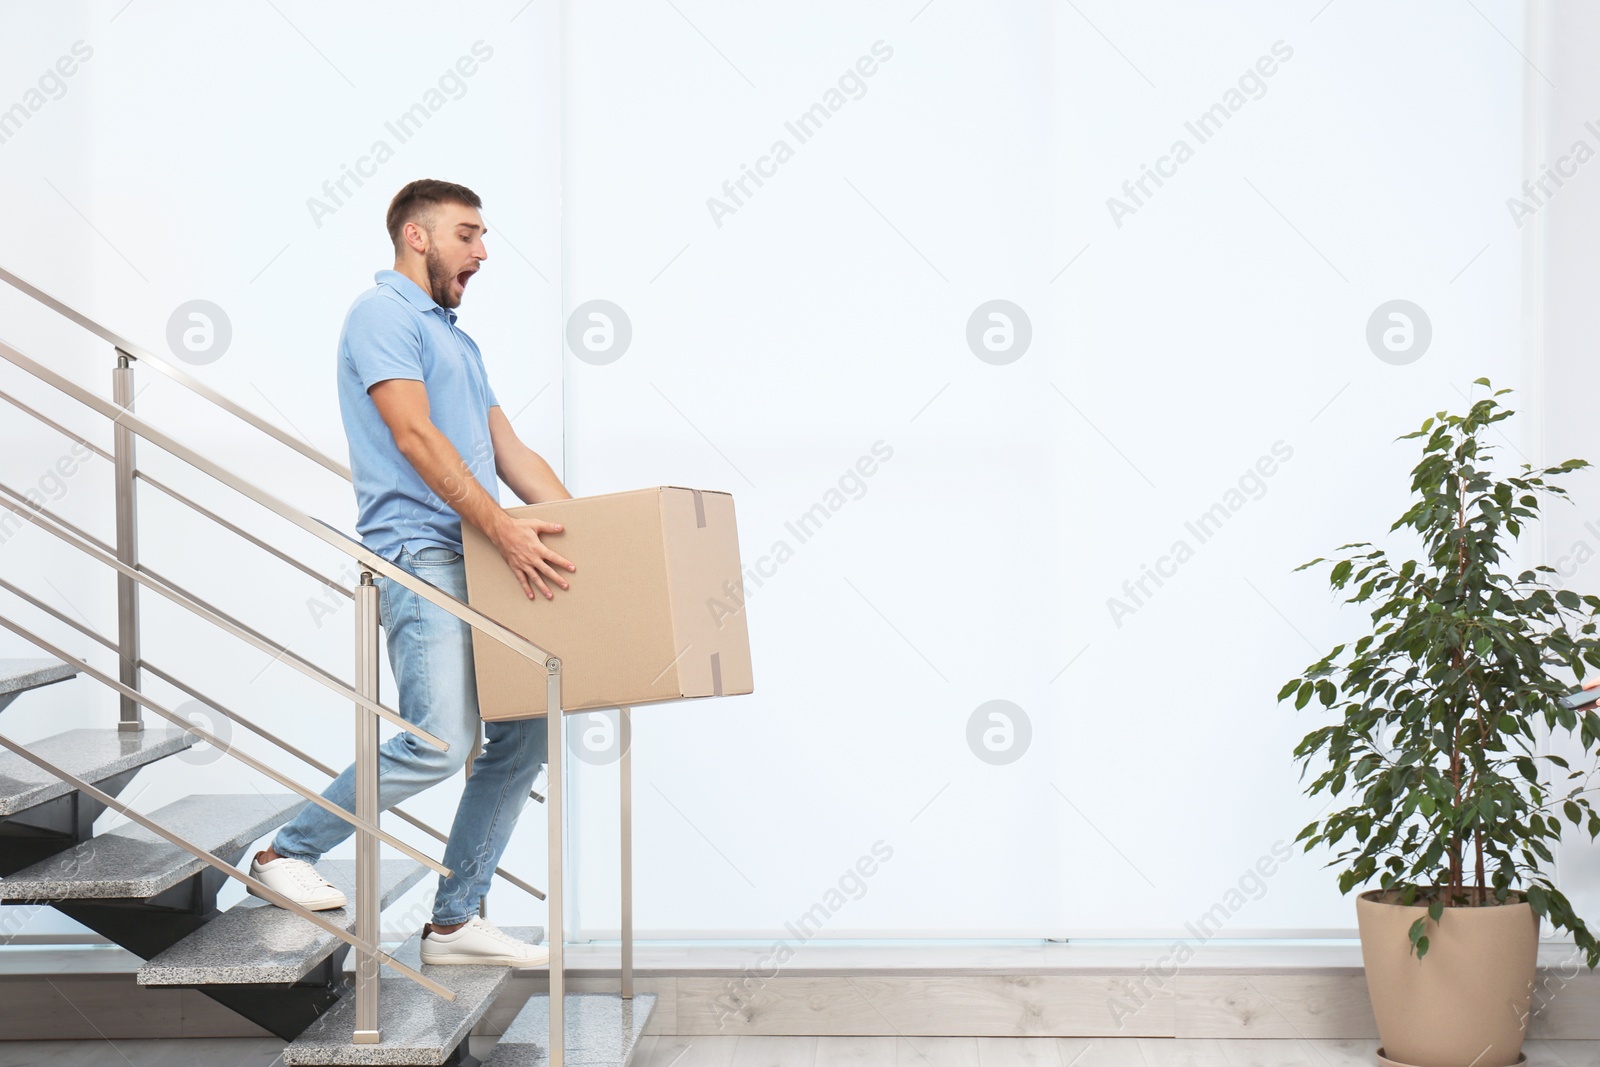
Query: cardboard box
point(654, 611)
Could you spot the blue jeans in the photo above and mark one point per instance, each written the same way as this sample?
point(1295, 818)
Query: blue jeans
point(430, 651)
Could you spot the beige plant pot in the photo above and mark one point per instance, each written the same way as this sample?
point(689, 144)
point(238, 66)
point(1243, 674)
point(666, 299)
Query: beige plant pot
point(1464, 1004)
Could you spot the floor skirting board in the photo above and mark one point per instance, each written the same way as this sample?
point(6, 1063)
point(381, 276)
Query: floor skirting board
point(1235, 1005)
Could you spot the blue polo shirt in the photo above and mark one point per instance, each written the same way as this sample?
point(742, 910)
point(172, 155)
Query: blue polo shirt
point(396, 330)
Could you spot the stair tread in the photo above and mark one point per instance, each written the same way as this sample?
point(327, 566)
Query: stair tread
point(93, 754)
point(599, 1030)
point(417, 1026)
point(132, 862)
point(17, 675)
point(255, 941)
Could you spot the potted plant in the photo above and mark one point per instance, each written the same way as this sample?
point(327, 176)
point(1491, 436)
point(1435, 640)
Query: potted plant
point(1438, 710)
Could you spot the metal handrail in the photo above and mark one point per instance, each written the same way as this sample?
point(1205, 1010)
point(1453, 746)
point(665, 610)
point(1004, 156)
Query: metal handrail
point(194, 385)
point(77, 531)
point(255, 728)
point(225, 622)
point(56, 426)
point(369, 559)
point(156, 483)
point(250, 636)
point(228, 869)
point(330, 583)
point(262, 731)
point(222, 746)
point(58, 615)
point(261, 640)
point(127, 426)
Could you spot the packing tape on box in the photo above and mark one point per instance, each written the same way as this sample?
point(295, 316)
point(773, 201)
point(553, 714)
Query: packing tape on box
point(699, 510)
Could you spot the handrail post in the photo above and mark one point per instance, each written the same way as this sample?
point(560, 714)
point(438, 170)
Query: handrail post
point(553, 809)
point(367, 1031)
point(131, 717)
point(625, 773)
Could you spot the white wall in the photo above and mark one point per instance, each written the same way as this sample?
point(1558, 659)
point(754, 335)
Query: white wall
point(773, 347)
point(1227, 314)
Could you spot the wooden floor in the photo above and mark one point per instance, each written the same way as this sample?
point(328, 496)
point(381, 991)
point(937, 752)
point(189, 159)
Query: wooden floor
point(1043, 1052)
point(824, 1052)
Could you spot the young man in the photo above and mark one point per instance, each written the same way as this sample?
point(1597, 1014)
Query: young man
point(427, 438)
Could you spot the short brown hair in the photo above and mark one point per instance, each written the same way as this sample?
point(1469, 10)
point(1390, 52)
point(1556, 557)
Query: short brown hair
point(418, 196)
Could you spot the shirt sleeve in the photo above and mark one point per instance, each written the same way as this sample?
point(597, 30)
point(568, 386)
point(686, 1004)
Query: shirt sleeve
point(384, 342)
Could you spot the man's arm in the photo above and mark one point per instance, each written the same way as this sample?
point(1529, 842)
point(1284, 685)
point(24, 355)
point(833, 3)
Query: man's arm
point(519, 466)
point(403, 404)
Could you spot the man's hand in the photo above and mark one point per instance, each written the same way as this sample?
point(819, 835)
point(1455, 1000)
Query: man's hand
point(403, 404)
point(528, 557)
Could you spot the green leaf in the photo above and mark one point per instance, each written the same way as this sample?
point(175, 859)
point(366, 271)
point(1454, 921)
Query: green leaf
point(1538, 899)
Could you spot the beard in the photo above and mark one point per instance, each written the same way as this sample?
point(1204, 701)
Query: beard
point(441, 280)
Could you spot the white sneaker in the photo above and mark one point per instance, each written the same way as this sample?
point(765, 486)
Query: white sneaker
point(299, 881)
point(480, 942)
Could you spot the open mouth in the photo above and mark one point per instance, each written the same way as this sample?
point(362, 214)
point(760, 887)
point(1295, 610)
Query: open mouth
point(463, 277)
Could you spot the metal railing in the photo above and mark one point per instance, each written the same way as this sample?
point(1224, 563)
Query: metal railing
point(133, 577)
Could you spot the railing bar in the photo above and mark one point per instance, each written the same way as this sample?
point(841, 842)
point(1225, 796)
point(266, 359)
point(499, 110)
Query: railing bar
point(224, 622)
point(431, 832)
point(271, 429)
point(222, 746)
point(78, 530)
point(56, 426)
point(260, 639)
point(318, 764)
point(65, 310)
point(262, 731)
point(424, 827)
point(519, 883)
point(355, 549)
point(242, 532)
point(192, 384)
point(226, 868)
point(60, 616)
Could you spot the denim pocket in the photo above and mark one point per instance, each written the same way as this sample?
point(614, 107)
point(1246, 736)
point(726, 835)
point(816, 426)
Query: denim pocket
point(435, 555)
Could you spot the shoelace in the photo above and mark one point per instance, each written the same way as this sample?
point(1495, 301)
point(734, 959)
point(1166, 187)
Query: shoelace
point(495, 932)
point(307, 876)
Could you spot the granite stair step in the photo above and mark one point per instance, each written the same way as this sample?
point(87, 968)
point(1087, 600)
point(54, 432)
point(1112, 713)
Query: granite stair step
point(93, 754)
point(134, 863)
point(417, 1027)
point(17, 676)
point(598, 1030)
point(257, 942)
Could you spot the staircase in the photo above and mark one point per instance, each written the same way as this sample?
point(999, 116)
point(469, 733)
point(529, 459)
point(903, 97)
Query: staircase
point(320, 981)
